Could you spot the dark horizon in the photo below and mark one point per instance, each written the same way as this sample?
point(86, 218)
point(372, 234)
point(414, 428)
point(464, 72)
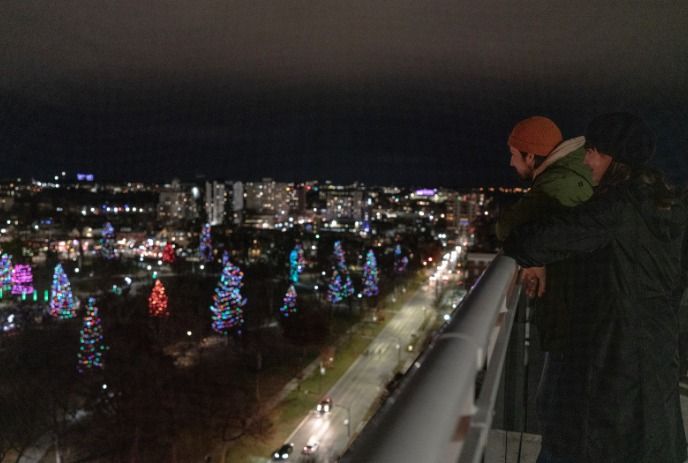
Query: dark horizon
point(405, 96)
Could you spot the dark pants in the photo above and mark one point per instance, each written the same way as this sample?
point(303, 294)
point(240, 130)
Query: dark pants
point(556, 406)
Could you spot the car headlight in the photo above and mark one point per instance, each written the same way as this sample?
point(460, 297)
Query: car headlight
point(285, 455)
point(276, 455)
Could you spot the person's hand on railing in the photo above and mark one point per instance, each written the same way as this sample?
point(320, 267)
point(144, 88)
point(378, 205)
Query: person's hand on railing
point(534, 281)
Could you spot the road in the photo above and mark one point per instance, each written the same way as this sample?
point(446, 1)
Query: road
point(359, 388)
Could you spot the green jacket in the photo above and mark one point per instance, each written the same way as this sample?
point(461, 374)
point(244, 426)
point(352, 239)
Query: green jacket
point(561, 182)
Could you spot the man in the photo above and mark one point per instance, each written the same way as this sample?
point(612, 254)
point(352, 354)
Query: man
point(620, 371)
point(559, 180)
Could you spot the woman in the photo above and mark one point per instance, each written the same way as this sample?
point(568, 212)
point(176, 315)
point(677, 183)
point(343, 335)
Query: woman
point(620, 381)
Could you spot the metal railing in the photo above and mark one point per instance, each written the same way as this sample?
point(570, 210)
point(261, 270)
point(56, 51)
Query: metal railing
point(443, 410)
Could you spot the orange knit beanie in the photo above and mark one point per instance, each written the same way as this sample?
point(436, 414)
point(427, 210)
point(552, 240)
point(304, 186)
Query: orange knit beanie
point(536, 134)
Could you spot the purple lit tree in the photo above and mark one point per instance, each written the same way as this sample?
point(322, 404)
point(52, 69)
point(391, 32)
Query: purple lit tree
point(370, 277)
point(289, 302)
point(91, 346)
point(22, 279)
point(62, 304)
point(335, 289)
point(228, 303)
point(205, 247)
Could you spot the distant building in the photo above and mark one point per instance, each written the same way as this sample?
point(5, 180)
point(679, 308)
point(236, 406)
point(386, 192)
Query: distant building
point(267, 198)
point(343, 205)
point(215, 199)
point(176, 204)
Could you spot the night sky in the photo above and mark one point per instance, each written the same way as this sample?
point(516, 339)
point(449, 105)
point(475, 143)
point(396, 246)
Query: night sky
point(404, 92)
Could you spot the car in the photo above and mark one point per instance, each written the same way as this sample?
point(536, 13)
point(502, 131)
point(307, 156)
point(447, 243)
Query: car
point(283, 452)
point(310, 448)
point(325, 405)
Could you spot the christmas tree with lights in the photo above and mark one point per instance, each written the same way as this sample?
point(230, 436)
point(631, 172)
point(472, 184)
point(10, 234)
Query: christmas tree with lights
point(157, 301)
point(5, 271)
point(205, 247)
point(228, 303)
point(296, 263)
point(62, 304)
point(107, 242)
point(289, 302)
point(91, 346)
point(370, 278)
point(168, 255)
point(22, 279)
point(339, 288)
point(340, 262)
point(400, 260)
point(225, 258)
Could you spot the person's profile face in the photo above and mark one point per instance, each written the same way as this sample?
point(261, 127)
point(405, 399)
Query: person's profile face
point(598, 163)
point(520, 164)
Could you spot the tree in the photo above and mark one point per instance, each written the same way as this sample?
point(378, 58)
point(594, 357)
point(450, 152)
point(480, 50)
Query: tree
point(205, 247)
point(370, 277)
point(107, 242)
point(340, 263)
point(91, 348)
point(296, 263)
point(289, 302)
point(339, 288)
point(22, 279)
point(168, 255)
point(228, 302)
point(225, 258)
point(62, 304)
point(157, 301)
point(5, 272)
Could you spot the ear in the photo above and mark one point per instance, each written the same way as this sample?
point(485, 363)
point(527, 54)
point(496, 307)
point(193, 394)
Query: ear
point(530, 158)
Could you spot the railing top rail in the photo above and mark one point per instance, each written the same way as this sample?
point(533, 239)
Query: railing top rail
point(426, 420)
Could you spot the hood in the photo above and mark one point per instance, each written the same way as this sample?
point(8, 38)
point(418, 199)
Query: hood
point(559, 157)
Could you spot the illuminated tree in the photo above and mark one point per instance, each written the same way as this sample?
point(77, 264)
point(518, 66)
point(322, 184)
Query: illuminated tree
point(335, 288)
point(62, 304)
point(91, 348)
point(340, 262)
point(370, 277)
point(22, 279)
point(225, 258)
point(107, 242)
point(157, 301)
point(168, 255)
point(340, 287)
point(5, 271)
point(205, 247)
point(228, 302)
point(289, 302)
point(296, 263)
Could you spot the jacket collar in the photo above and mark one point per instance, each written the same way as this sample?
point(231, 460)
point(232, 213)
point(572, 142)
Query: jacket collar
point(562, 150)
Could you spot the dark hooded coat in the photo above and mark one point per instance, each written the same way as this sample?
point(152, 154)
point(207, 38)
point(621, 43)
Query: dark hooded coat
point(622, 364)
